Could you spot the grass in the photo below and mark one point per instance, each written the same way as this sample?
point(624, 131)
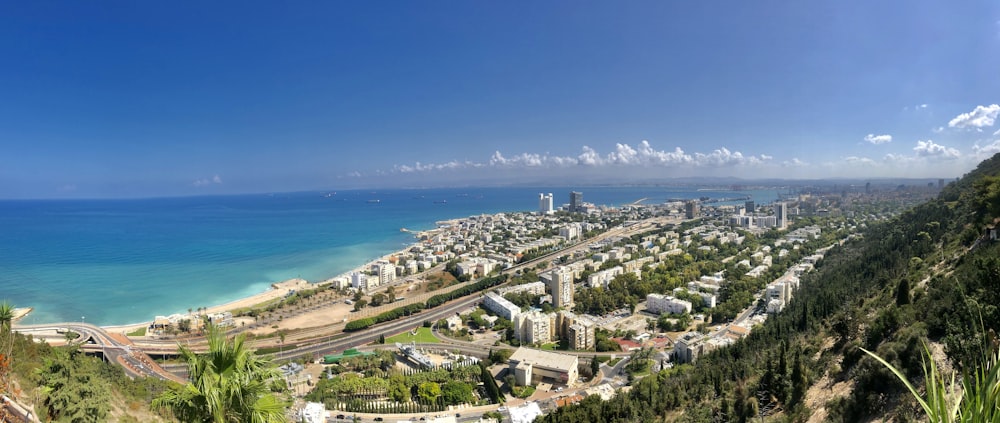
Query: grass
point(138, 332)
point(423, 336)
point(523, 391)
point(551, 346)
point(614, 361)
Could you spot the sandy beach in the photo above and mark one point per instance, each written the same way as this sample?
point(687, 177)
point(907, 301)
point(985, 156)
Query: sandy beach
point(279, 290)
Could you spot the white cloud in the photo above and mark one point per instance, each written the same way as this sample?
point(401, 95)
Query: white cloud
point(980, 117)
point(923, 106)
point(987, 150)
point(643, 155)
point(931, 150)
point(794, 162)
point(214, 180)
point(878, 139)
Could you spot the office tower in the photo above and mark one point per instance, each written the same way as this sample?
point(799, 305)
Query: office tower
point(692, 209)
point(781, 213)
point(750, 207)
point(575, 202)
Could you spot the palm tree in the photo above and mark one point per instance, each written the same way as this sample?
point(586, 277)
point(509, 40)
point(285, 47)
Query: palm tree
point(229, 384)
point(6, 340)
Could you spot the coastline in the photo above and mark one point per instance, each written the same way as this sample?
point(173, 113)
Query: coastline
point(277, 291)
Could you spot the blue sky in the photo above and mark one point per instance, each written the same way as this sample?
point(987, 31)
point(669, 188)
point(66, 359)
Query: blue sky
point(139, 99)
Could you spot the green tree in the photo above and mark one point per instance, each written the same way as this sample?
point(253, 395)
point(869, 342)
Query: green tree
point(73, 388)
point(903, 291)
point(6, 342)
point(429, 391)
point(391, 294)
point(455, 392)
point(229, 384)
point(378, 299)
point(595, 366)
point(360, 304)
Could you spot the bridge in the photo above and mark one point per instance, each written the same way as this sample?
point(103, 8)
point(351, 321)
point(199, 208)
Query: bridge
point(114, 348)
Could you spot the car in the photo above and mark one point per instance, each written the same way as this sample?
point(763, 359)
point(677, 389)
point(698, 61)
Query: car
point(378, 419)
point(340, 416)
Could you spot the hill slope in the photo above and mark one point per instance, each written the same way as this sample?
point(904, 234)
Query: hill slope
point(926, 275)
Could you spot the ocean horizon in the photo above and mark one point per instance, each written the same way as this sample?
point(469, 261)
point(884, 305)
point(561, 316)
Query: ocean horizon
point(114, 262)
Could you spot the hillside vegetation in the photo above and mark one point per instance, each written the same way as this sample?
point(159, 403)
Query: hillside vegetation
point(926, 277)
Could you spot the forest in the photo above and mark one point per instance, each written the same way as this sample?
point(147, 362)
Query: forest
point(929, 276)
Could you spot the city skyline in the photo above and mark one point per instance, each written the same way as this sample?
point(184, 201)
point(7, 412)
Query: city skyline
point(152, 100)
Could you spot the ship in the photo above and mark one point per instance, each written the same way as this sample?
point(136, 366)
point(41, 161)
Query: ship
point(441, 202)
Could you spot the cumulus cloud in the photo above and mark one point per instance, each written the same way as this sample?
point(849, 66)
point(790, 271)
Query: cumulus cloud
point(930, 149)
point(987, 150)
point(215, 180)
point(794, 162)
point(642, 155)
point(878, 139)
point(978, 118)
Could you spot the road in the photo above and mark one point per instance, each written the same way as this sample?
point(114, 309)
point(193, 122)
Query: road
point(96, 339)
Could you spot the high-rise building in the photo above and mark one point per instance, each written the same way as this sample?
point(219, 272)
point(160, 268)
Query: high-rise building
point(561, 286)
point(940, 183)
point(868, 187)
point(575, 202)
point(692, 209)
point(545, 203)
point(781, 213)
point(750, 206)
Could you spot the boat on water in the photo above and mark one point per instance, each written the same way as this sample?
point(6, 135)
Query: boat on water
point(374, 201)
point(441, 202)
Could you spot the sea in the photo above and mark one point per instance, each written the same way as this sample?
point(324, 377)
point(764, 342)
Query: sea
point(115, 262)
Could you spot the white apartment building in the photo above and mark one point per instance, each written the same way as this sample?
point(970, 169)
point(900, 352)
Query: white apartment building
point(359, 281)
point(561, 286)
point(659, 303)
point(545, 203)
point(499, 305)
point(604, 277)
point(533, 288)
point(385, 271)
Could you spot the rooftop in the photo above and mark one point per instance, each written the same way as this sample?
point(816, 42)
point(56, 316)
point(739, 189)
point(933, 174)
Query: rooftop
point(545, 359)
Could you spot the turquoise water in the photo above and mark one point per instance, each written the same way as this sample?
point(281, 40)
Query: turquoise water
point(125, 261)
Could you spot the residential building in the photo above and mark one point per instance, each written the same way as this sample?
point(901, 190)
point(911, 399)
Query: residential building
point(545, 203)
point(581, 335)
point(385, 272)
point(534, 327)
point(499, 305)
point(561, 286)
point(359, 281)
point(604, 277)
point(658, 304)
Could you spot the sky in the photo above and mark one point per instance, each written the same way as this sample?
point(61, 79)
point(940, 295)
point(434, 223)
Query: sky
point(143, 99)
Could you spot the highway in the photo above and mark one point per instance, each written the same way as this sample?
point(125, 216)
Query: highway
point(96, 339)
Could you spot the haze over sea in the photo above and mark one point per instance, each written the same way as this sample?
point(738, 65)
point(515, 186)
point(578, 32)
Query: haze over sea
point(125, 261)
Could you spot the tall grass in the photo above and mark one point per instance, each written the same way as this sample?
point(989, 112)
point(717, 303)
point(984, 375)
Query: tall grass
point(945, 401)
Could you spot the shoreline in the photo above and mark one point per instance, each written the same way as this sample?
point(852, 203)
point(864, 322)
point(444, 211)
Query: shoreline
point(278, 290)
